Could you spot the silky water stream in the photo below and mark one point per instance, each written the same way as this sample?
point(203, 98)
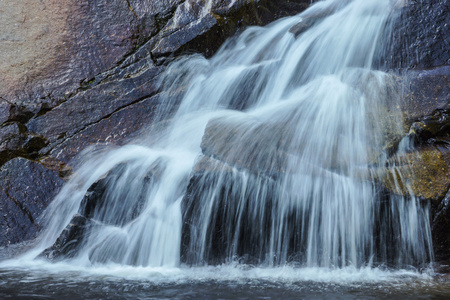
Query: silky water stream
point(262, 185)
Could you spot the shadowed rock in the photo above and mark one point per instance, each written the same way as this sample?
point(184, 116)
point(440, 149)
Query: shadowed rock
point(103, 205)
point(70, 239)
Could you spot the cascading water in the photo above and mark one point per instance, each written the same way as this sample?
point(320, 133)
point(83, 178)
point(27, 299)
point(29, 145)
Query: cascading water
point(269, 159)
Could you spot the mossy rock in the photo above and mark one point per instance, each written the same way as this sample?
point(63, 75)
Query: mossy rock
point(425, 173)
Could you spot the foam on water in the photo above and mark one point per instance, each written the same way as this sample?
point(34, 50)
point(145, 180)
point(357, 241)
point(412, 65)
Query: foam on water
point(229, 272)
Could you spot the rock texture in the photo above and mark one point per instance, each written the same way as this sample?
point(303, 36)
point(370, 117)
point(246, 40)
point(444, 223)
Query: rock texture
point(26, 188)
point(420, 36)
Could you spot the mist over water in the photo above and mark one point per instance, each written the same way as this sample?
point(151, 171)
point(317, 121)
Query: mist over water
point(268, 162)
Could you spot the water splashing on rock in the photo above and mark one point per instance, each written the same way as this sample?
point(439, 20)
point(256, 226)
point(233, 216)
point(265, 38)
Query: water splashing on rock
point(271, 156)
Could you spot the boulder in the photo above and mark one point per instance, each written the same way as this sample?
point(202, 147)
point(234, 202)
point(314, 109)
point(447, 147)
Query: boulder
point(103, 205)
point(67, 244)
point(246, 143)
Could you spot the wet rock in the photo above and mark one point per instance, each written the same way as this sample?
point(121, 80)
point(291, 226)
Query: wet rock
point(104, 205)
point(426, 91)
point(63, 43)
point(26, 188)
point(91, 106)
point(81, 73)
point(313, 16)
point(425, 173)
point(434, 128)
point(178, 38)
point(264, 144)
point(102, 60)
point(194, 28)
point(115, 129)
point(16, 141)
point(67, 244)
point(11, 141)
point(420, 36)
point(440, 229)
point(96, 204)
point(4, 111)
point(220, 183)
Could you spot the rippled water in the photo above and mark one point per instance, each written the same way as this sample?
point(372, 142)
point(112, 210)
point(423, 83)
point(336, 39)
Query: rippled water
point(42, 281)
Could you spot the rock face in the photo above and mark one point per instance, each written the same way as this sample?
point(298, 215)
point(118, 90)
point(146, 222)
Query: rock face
point(420, 42)
point(26, 188)
point(420, 36)
point(94, 60)
point(77, 73)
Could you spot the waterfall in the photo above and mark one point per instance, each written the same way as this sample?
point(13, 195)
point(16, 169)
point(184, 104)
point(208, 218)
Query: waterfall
point(269, 158)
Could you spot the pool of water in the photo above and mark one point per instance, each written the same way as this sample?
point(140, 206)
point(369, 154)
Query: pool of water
point(62, 281)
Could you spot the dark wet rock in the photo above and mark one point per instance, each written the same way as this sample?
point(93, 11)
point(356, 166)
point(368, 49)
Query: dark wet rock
point(103, 205)
point(440, 229)
point(4, 111)
point(16, 141)
point(178, 38)
point(426, 91)
point(420, 36)
point(313, 16)
point(115, 129)
point(11, 141)
point(26, 188)
point(221, 182)
point(193, 29)
point(92, 106)
point(433, 128)
point(97, 202)
point(67, 244)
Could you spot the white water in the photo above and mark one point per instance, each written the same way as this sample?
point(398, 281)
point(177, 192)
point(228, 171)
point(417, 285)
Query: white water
point(300, 122)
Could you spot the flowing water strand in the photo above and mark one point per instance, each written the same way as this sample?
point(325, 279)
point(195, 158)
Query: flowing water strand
point(268, 159)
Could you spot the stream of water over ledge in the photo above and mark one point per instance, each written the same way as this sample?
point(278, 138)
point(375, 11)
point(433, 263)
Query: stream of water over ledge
point(262, 184)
